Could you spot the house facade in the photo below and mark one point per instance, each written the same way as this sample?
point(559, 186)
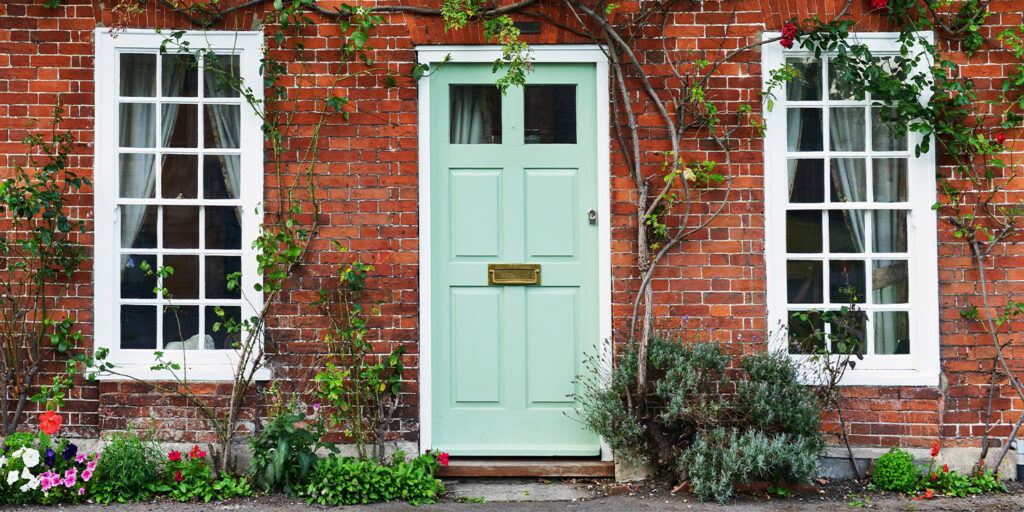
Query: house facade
point(501, 227)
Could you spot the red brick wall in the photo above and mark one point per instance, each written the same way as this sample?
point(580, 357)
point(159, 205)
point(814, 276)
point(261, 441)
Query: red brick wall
point(367, 182)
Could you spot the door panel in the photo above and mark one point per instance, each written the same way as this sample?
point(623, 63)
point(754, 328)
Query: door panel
point(504, 357)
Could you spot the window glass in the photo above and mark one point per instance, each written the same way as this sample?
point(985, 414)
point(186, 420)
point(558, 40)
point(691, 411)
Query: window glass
point(806, 85)
point(805, 129)
point(550, 114)
point(475, 114)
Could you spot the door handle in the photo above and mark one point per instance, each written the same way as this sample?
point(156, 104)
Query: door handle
point(592, 216)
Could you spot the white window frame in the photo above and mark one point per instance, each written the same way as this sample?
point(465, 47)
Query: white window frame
point(921, 366)
point(198, 365)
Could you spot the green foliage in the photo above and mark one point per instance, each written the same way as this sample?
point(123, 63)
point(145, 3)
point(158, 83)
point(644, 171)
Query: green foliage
point(895, 471)
point(129, 468)
point(705, 422)
point(347, 481)
point(284, 452)
point(187, 476)
point(501, 29)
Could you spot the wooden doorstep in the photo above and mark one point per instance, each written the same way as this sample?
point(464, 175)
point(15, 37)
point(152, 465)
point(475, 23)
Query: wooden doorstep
point(526, 467)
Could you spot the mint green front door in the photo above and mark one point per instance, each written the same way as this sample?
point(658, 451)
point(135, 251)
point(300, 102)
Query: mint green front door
point(513, 181)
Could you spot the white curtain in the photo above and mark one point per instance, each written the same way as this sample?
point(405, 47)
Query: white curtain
point(890, 282)
point(225, 124)
point(846, 130)
point(471, 107)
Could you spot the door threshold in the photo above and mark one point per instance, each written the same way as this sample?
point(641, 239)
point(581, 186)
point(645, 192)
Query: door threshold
point(550, 467)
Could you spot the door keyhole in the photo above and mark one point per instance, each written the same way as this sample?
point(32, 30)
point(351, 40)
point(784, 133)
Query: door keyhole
point(592, 216)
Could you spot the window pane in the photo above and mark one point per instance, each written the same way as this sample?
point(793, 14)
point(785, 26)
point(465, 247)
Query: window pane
point(474, 114)
point(846, 231)
point(137, 126)
point(221, 77)
point(178, 126)
point(804, 335)
point(223, 231)
point(804, 282)
point(550, 114)
point(892, 332)
point(222, 339)
point(890, 231)
point(138, 74)
point(846, 129)
point(221, 176)
point(181, 227)
point(890, 180)
point(806, 182)
point(138, 327)
point(221, 125)
point(848, 180)
point(803, 231)
point(181, 328)
point(135, 178)
point(138, 226)
point(846, 281)
point(137, 283)
point(217, 270)
point(890, 282)
point(179, 178)
point(184, 282)
point(806, 86)
point(841, 86)
point(804, 129)
point(179, 78)
point(883, 137)
point(848, 334)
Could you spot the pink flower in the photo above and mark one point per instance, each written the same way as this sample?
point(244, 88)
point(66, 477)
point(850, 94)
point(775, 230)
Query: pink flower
point(443, 458)
point(80, 457)
point(175, 455)
point(879, 4)
point(81, 491)
point(44, 481)
point(178, 477)
point(70, 476)
point(91, 466)
point(86, 475)
point(316, 407)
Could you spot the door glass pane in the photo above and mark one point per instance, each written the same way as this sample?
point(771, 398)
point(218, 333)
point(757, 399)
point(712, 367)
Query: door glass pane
point(181, 328)
point(846, 281)
point(137, 283)
point(890, 231)
point(221, 176)
point(806, 182)
point(221, 126)
point(474, 114)
point(180, 76)
point(137, 126)
point(806, 86)
point(890, 180)
point(890, 282)
point(178, 126)
point(846, 129)
point(138, 327)
point(138, 74)
point(135, 177)
point(804, 129)
point(892, 332)
point(848, 180)
point(846, 231)
point(550, 114)
point(179, 180)
point(803, 231)
point(223, 231)
point(181, 227)
point(220, 78)
point(883, 137)
point(138, 226)
point(223, 339)
point(184, 282)
point(804, 282)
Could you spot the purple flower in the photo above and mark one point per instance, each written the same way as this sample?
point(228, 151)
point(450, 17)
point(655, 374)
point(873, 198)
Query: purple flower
point(50, 458)
point(316, 407)
point(69, 451)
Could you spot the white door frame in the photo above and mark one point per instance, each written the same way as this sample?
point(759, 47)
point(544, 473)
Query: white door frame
point(489, 53)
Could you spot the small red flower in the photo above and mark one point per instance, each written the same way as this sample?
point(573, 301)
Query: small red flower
point(178, 477)
point(49, 422)
point(928, 494)
point(935, 449)
point(935, 477)
point(879, 4)
point(197, 453)
point(175, 455)
point(945, 468)
point(443, 458)
point(1000, 138)
point(786, 42)
point(789, 30)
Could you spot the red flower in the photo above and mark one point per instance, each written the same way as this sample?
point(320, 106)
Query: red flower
point(786, 42)
point(1000, 138)
point(928, 494)
point(935, 477)
point(443, 458)
point(197, 453)
point(789, 30)
point(49, 422)
point(178, 477)
point(174, 455)
point(935, 449)
point(879, 4)
point(945, 468)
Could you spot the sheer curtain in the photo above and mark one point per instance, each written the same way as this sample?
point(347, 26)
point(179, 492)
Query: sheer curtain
point(471, 114)
point(225, 125)
point(846, 131)
point(889, 282)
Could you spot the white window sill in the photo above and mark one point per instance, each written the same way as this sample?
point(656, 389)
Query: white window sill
point(193, 373)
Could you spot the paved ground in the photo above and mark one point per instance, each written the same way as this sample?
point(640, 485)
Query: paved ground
point(527, 495)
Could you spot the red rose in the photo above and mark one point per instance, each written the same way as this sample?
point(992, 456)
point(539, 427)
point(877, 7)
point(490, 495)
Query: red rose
point(1000, 138)
point(786, 42)
point(174, 455)
point(789, 30)
point(49, 422)
point(945, 468)
point(178, 477)
point(928, 494)
point(879, 4)
point(935, 449)
point(443, 458)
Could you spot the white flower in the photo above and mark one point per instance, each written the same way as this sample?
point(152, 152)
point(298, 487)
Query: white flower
point(31, 484)
point(12, 477)
point(17, 453)
point(26, 474)
point(31, 457)
point(3, 461)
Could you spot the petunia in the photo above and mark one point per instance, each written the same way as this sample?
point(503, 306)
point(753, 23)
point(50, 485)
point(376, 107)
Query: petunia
point(69, 451)
point(30, 457)
point(80, 458)
point(443, 458)
point(86, 475)
point(12, 477)
point(51, 457)
point(70, 476)
point(3, 461)
point(81, 491)
point(91, 466)
point(178, 477)
point(175, 455)
point(49, 422)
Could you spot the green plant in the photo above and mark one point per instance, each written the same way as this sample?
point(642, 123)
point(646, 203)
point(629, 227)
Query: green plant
point(895, 471)
point(347, 481)
point(283, 454)
point(188, 476)
point(129, 469)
